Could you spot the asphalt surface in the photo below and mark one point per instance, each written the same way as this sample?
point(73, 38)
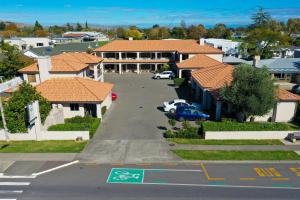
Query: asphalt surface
point(132, 130)
point(163, 181)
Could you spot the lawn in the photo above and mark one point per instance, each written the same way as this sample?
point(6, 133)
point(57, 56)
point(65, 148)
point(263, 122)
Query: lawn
point(224, 142)
point(42, 147)
point(236, 155)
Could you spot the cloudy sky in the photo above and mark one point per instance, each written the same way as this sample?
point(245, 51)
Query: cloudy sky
point(144, 13)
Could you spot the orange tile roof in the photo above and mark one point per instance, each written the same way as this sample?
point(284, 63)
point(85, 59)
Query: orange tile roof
point(182, 46)
point(136, 61)
point(66, 62)
point(197, 62)
point(74, 90)
point(285, 95)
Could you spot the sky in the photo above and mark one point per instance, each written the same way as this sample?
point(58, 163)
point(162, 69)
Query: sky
point(144, 12)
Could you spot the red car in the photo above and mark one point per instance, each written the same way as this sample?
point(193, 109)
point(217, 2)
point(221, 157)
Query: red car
point(114, 96)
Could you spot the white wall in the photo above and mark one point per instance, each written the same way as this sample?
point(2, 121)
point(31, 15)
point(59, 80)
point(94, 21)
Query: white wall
point(29, 42)
point(218, 57)
point(285, 111)
point(10, 84)
point(47, 135)
point(65, 75)
point(246, 135)
point(107, 101)
point(69, 114)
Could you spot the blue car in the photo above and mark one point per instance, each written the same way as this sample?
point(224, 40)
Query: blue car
point(190, 113)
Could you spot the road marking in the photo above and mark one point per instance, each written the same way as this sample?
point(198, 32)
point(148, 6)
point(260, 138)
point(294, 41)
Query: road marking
point(295, 170)
point(11, 191)
point(126, 175)
point(207, 175)
point(16, 177)
point(14, 183)
point(175, 170)
point(280, 179)
point(55, 168)
point(269, 172)
point(8, 199)
point(247, 179)
point(225, 186)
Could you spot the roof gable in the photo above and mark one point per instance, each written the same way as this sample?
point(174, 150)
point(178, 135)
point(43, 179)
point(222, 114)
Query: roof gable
point(198, 61)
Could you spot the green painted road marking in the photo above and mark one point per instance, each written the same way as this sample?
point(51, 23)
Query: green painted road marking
point(216, 183)
point(126, 175)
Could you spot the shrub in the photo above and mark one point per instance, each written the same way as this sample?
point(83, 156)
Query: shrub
point(172, 122)
point(169, 134)
point(179, 81)
point(189, 132)
point(103, 110)
point(186, 125)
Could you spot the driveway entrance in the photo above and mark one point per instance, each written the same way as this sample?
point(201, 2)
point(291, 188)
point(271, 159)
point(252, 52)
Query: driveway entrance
point(132, 129)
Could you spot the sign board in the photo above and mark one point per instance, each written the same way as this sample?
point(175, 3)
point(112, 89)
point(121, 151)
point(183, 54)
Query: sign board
point(124, 175)
point(31, 113)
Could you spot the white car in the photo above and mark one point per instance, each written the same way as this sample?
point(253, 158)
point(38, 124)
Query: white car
point(172, 105)
point(164, 75)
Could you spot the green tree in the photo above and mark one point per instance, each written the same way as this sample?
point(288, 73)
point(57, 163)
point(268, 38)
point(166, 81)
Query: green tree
point(69, 27)
point(78, 27)
point(261, 18)
point(293, 26)
point(12, 62)
point(2, 26)
point(260, 41)
point(179, 33)
point(196, 32)
point(251, 93)
point(218, 31)
point(86, 26)
point(14, 108)
point(134, 33)
point(37, 26)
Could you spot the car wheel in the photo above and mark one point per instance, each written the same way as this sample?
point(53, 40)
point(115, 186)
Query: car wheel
point(172, 111)
point(181, 119)
point(158, 78)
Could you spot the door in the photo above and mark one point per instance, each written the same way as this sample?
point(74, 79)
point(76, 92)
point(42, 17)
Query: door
point(90, 110)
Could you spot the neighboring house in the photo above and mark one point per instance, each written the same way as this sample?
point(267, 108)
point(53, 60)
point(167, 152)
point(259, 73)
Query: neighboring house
point(285, 52)
point(72, 82)
point(281, 69)
point(63, 65)
point(208, 82)
point(229, 47)
point(25, 43)
point(232, 60)
point(82, 36)
point(123, 56)
point(61, 48)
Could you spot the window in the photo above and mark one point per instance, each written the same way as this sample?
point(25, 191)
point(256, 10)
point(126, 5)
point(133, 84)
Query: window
point(279, 76)
point(39, 44)
point(31, 78)
point(74, 107)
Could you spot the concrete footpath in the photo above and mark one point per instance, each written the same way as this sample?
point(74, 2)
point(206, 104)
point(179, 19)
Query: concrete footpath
point(238, 147)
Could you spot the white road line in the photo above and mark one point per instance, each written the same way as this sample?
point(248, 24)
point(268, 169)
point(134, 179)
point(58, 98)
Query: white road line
point(16, 177)
point(174, 170)
point(223, 186)
point(11, 191)
point(8, 199)
point(55, 168)
point(14, 183)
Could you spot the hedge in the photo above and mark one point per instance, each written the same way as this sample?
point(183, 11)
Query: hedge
point(78, 124)
point(179, 81)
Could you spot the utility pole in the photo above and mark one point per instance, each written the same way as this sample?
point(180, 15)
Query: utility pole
point(4, 121)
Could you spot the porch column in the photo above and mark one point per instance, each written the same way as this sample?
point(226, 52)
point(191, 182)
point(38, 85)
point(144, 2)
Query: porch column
point(180, 57)
point(137, 55)
point(120, 55)
point(218, 110)
point(98, 111)
point(102, 72)
point(138, 68)
point(179, 73)
point(120, 68)
point(155, 68)
point(156, 56)
point(102, 55)
point(95, 72)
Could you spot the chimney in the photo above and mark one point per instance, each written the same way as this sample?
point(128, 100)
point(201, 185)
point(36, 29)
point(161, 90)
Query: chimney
point(256, 60)
point(44, 65)
point(201, 41)
point(130, 38)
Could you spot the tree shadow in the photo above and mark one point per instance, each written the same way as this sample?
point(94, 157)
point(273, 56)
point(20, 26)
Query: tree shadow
point(162, 128)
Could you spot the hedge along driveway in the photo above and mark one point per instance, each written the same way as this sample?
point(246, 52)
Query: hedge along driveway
point(248, 126)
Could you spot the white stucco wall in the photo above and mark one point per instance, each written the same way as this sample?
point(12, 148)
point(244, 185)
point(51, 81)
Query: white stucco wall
point(285, 111)
point(218, 57)
point(107, 101)
point(68, 113)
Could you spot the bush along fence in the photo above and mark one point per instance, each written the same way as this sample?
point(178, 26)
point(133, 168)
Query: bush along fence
point(231, 130)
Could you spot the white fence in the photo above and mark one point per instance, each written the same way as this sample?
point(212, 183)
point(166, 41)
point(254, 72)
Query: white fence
point(47, 135)
point(246, 135)
point(13, 83)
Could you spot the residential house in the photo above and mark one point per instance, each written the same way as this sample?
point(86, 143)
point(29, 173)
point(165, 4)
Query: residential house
point(82, 36)
point(61, 48)
point(285, 52)
point(229, 47)
point(72, 82)
point(138, 56)
point(232, 60)
point(207, 83)
point(25, 43)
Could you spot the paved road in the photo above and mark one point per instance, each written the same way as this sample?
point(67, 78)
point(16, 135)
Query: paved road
point(132, 129)
point(165, 181)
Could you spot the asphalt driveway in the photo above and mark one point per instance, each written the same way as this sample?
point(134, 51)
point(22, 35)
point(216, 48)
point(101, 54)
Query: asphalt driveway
point(132, 129)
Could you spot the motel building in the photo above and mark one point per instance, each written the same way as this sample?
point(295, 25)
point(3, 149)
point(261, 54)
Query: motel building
point(137, 56)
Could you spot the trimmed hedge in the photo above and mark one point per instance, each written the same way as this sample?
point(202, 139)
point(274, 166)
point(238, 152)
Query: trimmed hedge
point(179, 81)
point(188, 131)
point(248, 126)
point(78, 124)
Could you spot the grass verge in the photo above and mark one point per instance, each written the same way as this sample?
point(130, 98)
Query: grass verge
point(42, 147)
point(236, 155)
point(224, 142)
